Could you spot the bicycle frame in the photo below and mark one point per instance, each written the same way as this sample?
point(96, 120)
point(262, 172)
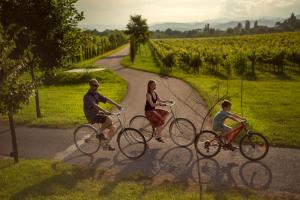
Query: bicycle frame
point(234, 133)
point(172, 117)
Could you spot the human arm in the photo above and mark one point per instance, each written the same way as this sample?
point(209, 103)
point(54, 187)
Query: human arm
point(114, 103)
point(162, 102)
point(235, 117)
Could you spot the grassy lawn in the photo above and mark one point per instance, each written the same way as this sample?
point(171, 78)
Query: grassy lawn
point(44, 179)
point(62, 98)
point(271, 103)
point(90, 63)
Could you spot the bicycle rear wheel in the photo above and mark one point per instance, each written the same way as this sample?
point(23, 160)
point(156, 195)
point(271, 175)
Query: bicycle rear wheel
point(142, 124)
point(131, 143)
point(207, 143)
point(182, 132)
point(254, 146)
point(85, 139)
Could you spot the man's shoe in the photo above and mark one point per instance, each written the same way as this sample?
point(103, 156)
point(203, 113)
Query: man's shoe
point(101, 136)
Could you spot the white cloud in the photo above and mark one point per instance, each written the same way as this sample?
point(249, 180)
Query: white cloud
point(232, 9)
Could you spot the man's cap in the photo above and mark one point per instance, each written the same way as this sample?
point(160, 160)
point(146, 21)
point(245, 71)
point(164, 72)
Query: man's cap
point(93, 82)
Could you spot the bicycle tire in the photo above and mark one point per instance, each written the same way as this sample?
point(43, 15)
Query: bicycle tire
point(79, 143)
point(127, 135)
point(147, 133)
point(192, 134)
point(214, 138)
point(243, 143)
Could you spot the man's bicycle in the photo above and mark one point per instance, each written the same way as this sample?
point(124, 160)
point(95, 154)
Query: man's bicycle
point(182, 131)
point(253, 146)
point(131, 142)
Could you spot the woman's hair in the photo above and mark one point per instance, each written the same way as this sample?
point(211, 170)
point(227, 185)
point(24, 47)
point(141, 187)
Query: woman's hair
point(148, 85)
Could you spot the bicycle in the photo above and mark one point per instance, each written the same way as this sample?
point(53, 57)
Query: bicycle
point(87, 142)
point(253, 146)
point(182, 131)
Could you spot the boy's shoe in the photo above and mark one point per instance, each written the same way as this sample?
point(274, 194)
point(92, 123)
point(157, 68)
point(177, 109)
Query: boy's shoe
point(108, 147)
point(229, 147)
point(101, 136)
point(160, 140)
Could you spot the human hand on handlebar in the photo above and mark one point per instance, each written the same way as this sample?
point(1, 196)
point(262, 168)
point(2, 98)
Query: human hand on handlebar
point(119, 107)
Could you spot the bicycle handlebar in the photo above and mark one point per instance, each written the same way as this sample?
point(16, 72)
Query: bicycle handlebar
point(170, 104)
point(118, 113)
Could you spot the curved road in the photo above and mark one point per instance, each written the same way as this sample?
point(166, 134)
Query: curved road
point(278, 172)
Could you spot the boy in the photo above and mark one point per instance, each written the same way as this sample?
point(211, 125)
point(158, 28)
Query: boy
point(221, 116)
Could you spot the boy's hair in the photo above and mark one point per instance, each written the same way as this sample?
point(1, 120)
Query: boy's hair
point(226, 103)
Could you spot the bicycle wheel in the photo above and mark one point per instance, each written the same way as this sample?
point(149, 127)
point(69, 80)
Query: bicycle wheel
point(132, 143)
point(85, 139)
point(142, 124)
point(207, 143)
point(254, 146)
point(182, 132)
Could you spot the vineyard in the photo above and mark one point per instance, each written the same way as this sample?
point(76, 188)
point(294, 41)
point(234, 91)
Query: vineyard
point(243, 54)
point(91, 45)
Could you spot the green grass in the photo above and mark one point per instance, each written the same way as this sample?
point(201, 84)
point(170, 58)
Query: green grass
point(90, 63)
point(271, 103)
point(62, 99)
point(45, 179)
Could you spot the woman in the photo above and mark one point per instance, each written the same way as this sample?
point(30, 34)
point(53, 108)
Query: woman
point(156, 116)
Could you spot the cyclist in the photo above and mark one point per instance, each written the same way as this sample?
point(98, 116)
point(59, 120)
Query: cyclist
point(96, 114)
point(156, 116)
point(219, 119)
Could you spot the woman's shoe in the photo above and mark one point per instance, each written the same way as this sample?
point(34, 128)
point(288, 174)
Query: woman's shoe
point(160, 140)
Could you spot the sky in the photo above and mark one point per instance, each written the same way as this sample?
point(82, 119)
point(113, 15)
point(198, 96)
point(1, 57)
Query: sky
point(117, 12)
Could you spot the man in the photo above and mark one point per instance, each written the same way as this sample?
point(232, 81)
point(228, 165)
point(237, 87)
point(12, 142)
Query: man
point(96, 114)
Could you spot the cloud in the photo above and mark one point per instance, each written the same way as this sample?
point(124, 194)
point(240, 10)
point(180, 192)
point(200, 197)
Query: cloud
point(233, 9)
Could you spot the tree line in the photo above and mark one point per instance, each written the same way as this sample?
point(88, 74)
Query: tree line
point(290, 24)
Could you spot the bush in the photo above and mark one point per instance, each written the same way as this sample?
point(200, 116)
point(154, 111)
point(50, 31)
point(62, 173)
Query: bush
point(65, 78)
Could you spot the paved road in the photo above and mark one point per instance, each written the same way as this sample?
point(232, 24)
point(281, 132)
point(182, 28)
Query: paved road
point(279, 171)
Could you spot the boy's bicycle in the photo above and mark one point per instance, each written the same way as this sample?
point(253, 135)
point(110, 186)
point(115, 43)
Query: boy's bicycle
point(182, 131)
point(253, 146)
point(131, 142)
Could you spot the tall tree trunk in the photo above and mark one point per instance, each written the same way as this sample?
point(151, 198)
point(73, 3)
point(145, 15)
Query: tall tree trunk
point(37, 96)
point(13, 136)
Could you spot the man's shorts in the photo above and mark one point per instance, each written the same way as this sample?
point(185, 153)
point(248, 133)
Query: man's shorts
point(99, 119)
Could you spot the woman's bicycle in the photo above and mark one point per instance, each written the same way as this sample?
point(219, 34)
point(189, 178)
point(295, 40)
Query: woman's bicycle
point(182, 131)
point(131, 142)
point(253, 146)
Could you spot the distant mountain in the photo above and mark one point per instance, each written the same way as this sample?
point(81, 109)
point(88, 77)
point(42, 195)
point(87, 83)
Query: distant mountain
point(101, 27)
point(217, 25)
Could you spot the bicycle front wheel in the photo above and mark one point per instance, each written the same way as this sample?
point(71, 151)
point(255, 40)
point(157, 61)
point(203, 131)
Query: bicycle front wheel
point(142, 124)
point(254, 146)
point(207, 143)
point(182, 132)
point(132, 143)
point(85, 139)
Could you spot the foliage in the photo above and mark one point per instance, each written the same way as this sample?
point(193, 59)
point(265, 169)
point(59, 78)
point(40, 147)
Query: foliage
point(15, 90)
point(272, 52)
point(138, 31)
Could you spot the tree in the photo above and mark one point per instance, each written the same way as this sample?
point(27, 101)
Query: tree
point(256, 24)
point(138, 31)
point(49, 26)
point(247, 25)
point(15, 89)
